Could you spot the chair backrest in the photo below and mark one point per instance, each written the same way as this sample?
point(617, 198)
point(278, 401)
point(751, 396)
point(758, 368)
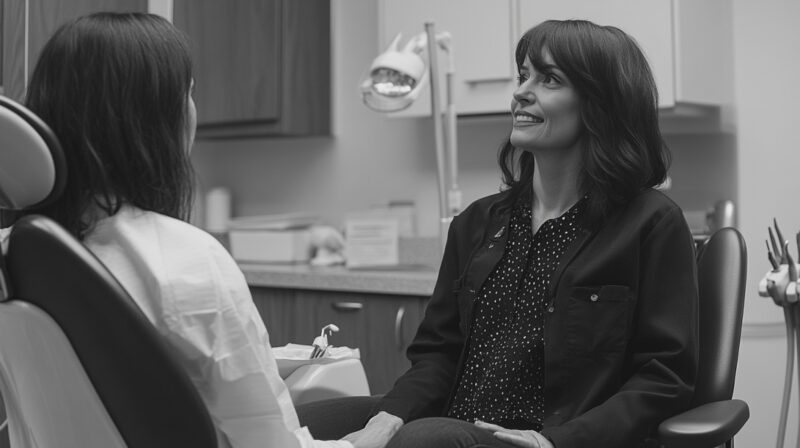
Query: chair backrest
point(80, 364)
point(722, 273)
point(32, 167)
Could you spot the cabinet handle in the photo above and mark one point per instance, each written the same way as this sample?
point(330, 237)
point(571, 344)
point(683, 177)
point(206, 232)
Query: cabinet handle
point(398, 328)
point(347, 306)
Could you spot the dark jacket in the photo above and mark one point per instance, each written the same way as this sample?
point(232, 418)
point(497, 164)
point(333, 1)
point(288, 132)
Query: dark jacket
point(620, 331)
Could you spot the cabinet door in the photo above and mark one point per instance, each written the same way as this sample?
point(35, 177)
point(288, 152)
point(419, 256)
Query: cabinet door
point(704, 51)
point(236, 55)
point(380, 326)
point(482, 41)
point(44, 17)
point(649, 22)
point(262, 67)
point(278, 309)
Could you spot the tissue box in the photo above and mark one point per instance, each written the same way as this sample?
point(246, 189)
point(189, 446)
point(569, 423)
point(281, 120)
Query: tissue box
point(271, 239)
point(271, 246)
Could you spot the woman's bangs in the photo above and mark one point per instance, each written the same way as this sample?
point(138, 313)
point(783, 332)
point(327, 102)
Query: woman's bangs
point(532, 46)
point(545, 38)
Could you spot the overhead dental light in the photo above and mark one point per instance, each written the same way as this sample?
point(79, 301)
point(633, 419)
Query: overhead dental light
point(395, 80)
point(396, 77)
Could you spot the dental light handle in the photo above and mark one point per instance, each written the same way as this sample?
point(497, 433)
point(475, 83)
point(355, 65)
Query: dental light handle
point(436, 111)
point(454, 201)
point(453, 194)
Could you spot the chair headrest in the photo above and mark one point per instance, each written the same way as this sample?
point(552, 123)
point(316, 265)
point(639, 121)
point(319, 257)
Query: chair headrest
point(32, 166)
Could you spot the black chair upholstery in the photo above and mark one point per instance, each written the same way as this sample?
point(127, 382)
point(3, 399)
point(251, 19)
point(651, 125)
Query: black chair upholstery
point(715, 417)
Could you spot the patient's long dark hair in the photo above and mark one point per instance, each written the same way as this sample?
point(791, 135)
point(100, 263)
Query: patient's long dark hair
point(114, 88)
point(624, 151)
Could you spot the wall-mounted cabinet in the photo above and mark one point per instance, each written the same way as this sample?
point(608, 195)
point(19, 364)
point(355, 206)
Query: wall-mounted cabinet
point(261, 67)
point(688, 43)
point(22, 40)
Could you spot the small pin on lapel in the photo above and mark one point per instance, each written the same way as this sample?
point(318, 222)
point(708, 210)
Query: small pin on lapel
point(500, 232)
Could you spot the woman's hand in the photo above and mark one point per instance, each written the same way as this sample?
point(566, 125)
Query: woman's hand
point(377, 433)
point(516, 437)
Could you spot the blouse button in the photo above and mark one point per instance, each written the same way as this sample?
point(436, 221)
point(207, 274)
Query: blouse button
point(593, 297)
point(551, 308)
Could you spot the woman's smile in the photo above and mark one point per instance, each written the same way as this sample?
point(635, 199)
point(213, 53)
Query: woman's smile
point(522, 118)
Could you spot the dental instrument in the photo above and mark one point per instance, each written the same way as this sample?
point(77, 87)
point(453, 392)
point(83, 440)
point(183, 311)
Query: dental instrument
point(321, 342)
point(781, 285)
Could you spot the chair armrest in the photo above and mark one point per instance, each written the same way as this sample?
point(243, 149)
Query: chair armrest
point(709, 425)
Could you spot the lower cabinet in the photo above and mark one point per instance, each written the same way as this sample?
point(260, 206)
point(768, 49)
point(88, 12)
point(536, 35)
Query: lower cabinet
point(380, 325)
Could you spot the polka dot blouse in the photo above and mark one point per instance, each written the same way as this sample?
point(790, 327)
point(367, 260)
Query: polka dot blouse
point(502, 380)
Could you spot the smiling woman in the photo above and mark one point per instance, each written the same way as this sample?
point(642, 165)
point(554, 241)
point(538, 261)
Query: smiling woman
point(566, 305)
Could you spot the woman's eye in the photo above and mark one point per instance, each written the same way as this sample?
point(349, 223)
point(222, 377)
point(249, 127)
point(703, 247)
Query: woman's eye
point(521, 78)
point(549, 79)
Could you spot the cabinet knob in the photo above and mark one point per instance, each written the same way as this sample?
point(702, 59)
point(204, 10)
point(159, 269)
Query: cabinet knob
point(399, 338)
point(347, 306)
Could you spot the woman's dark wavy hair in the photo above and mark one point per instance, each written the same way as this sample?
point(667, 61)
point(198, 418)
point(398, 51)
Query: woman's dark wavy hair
point(114, 88)
point(624, 151)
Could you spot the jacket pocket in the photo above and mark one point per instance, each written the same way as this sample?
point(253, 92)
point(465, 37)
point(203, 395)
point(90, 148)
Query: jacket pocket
point(598, 319)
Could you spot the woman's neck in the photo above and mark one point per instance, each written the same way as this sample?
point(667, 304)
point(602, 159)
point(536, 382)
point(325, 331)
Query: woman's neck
point(556, 186)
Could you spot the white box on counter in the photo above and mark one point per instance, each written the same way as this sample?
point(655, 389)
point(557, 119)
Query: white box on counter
point(271, 238)
point(271, 246)
point(371, 242)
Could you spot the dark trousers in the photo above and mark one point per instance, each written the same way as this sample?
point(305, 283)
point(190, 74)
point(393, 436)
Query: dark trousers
point(335, 418)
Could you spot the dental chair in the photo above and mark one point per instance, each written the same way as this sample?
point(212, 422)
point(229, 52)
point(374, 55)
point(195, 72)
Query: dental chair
point(715, 417)
point(80, 365)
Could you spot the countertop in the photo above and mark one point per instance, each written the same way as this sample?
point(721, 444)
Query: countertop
point(412, 279)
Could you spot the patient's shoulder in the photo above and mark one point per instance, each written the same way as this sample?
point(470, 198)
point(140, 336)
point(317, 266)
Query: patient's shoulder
point(156, 239)
point(176, 257)
point(166, 229)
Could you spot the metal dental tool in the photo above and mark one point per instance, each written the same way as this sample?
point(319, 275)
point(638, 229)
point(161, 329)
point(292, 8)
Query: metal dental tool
point(781, 284)
point(321, 342)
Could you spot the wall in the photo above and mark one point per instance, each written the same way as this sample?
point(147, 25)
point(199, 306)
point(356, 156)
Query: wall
point(766, 38)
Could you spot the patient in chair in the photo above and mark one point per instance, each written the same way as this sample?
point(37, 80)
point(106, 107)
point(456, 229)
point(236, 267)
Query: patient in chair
point(117, 91)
